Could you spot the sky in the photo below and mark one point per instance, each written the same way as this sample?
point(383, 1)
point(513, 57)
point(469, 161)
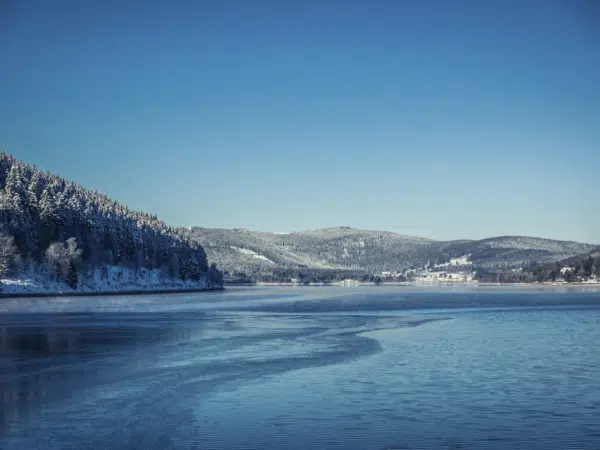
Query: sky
point(443, 119)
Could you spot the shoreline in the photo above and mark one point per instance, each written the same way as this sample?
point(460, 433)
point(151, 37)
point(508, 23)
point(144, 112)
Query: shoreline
point(271, 284)
point(426, 285)
point(544, 285)
point(109, 293)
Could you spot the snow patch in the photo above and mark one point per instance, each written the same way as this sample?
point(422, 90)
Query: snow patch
point(245, 251)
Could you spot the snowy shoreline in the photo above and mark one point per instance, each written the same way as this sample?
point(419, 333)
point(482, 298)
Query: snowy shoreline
point(110, 280)
point(4, 295)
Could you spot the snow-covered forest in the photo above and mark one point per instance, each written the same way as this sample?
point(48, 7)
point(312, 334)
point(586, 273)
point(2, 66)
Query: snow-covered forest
point(331, 254)
point(58, 234)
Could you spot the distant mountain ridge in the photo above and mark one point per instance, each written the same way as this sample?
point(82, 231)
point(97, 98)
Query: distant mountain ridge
point(257, 254)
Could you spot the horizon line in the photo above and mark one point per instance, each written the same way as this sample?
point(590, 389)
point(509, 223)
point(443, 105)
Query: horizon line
point(340, 227)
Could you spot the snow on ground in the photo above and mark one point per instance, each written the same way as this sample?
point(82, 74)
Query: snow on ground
point(109, 279)
point(245, 251)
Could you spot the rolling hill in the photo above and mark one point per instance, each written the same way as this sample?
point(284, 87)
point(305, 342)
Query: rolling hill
point(259, 254)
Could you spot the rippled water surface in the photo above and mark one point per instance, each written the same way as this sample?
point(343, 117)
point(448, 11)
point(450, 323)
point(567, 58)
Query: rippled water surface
point(309, 368)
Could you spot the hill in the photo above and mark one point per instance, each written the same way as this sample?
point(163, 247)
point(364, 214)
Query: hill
point(55, 234)
point(258, 254)
point(320, 255)
point(584, 267)
point(514, 251)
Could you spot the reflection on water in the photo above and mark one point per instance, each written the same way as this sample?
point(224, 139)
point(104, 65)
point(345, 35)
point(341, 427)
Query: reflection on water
point(46, 357)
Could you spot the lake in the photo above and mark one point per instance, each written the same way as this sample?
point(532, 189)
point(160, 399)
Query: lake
point(304, 368)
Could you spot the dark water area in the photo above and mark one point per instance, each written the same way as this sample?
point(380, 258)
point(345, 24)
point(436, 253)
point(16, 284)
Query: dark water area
point(308, 368)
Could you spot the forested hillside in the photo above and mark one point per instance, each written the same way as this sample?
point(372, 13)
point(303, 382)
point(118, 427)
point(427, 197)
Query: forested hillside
point(322, 255)
point(580, 268)
point(58, 229)
point(499, 253)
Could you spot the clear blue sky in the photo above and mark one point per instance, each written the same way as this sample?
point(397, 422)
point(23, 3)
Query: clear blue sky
point(446, 119)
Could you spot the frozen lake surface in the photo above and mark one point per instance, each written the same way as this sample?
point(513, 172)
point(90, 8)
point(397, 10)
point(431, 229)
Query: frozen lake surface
point(303, 368)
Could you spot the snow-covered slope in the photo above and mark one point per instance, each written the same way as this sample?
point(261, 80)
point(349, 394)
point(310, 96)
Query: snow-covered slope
point(343, 248)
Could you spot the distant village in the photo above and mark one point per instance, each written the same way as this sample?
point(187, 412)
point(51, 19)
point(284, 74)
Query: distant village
point(460, 270)
point(457, 270)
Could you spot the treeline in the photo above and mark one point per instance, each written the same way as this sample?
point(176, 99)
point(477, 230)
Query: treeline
point(46, 221)
point(503, 276)
point(303, 276)
point(570, 270)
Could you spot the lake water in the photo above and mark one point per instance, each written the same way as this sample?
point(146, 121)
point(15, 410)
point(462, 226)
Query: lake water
point(303, 368)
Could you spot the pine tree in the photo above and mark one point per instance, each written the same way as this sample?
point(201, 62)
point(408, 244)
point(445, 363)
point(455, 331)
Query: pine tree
point(9, 255)
point(72, 275)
